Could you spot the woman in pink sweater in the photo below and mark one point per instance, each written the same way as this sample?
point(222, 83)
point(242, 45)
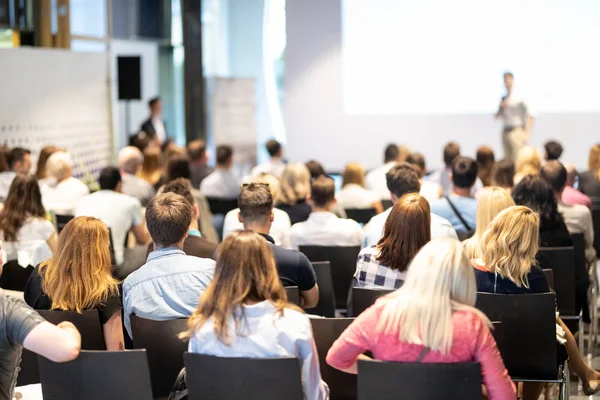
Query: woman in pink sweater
point(434, 308)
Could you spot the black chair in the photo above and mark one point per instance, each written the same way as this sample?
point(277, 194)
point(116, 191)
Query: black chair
point(596, 220)
point(220, 206)
point(343, 266)
point(219, 378)
point(61, 220)
point(14, 276)
point(387, 204)
point(582, 277)
point(498, 333)
point(293, 295)
point(342, 386)
point(379, 380)
point(363, 298)
point(326, 305)
point(550, 278)
point(361, 215)
point(97, 375)
point(164, 349)
point(561, 260)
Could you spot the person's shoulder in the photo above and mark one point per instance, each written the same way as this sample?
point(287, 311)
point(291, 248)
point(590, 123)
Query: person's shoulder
point(350, 224)
point(298, 322)
point(437, 220)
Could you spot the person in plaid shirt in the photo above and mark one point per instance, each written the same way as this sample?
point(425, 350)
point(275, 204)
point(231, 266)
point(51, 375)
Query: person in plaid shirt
point(407, 229)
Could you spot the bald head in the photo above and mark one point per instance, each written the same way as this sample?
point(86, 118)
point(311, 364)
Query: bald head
point(130, 159)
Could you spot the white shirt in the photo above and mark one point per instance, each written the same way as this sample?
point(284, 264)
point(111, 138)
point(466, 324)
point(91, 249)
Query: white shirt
point(280, 228)
point(31, 246)
point(430, 190)
point(578, 219)
point(62, 197)
point(220, 183)
point(274, 167)
point(6, 179)
point(118, 211)
point(375, 181)
point(355, 196)
point(326, 229)
point(159, 129)
point(516, 112)
point(440, 228)
point(264, 333)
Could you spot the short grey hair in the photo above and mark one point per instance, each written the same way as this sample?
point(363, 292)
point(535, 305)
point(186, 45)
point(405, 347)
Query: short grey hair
point(130, 159)
point(59, 165)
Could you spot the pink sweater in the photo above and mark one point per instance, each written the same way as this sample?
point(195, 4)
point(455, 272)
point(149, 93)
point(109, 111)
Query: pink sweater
point(472, 342)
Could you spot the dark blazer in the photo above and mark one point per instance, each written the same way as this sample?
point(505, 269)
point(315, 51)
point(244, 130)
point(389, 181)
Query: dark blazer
point(148, 127)
point(194, 246)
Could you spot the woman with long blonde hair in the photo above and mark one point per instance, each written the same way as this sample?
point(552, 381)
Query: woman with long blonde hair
point(494, 200)
point(78, 277)
point(431, 318)
point(353, 193)
point(244, 312)
point(294, 190)
point(528, 162)
point(589, 181)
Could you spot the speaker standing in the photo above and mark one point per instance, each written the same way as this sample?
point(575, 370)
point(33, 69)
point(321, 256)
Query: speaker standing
point(154, 125)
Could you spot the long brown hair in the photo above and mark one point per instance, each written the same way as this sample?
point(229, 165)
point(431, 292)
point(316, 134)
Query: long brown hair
point(245, 271)
point(594, 159)
point(45, 153)
point(23, 201)
point(407, 229)
point(78, 276)
point(151, 166)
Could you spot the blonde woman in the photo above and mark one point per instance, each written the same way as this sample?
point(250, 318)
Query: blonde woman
point(78, 277)
point(151, 170)
point(295, 189)
point(432, 318)
point(529, 162)
point(244, 312)
point(508, 266)
point(589, 181)
point(353, 193)
point(494, 200)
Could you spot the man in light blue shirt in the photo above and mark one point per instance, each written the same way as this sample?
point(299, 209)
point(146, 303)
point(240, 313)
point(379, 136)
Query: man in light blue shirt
point(460, 207)
point(169, 285)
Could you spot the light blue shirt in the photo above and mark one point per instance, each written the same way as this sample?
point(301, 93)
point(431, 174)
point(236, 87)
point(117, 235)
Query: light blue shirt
point(264, 333)
point(466, 206)
point(167, 286)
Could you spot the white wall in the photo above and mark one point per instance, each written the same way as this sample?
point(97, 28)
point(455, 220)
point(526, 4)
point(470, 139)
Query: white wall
point(317, 126)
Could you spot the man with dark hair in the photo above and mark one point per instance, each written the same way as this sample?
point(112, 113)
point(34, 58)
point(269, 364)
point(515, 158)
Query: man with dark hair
point(256, 214)
point(196, 150)
point(169, 284)
point(403, 178)
point(323, 227)
point(572, 196)
point(553, 150)
point(154, 125)
point(460, 207)
point(19, 162)
point(375, 179)
point(430, 190)
point(275, 165)
point(221, 183)
point(120, 212)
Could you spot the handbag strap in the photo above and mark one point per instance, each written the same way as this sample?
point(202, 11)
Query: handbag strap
point(423, 354)
point(462, 220)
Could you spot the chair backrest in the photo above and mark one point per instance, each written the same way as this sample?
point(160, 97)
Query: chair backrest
point(14, 276)
point(387, 204)
point(61, 220)
point(561, 260)
point(582, 277)
point(596, 220)
point(293, 295)
point(221, 206)
point(529, 324)
point(87, 323)
point(164, 349)
point(361, 215)
point(415, 381)
point(343, 266)
point(220, 378)
point(549, 277)
point(97, 375)
point(363, 298)
point(326, 305)
point(326, 331)
point(498, 333)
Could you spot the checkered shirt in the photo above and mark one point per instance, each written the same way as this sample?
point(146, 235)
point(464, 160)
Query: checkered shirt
point(372, 275)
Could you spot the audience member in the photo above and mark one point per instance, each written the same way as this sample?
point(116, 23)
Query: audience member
point(151, 170)
point(154, 126)
point(589, 181)
point(323, 227)
point(503, 174)
point(244, 313)
point(460, 207)
point(508, 266)
point(407, 229)
point(535, 193)
point(169, 284)
point(485, 160)
point(19, 162)
point(130, 162)
point(4, 150)
point(61, 192)
point(431, 319)
point(194, 244)
point(442, 177)
point(276, 163)
point(494, 200)
point(45, 153)
point(402, 179)
point(295, 189)
point(353, 193)
point(196, 151)
point(572, 196)
point(78, 277)
point(256, 214)
point(553, 150)
point(529, 162)
point(120, 212)
point(375, 180)
point(221, 183)
point(315, 168)
point(430, 190)
point(280, 227)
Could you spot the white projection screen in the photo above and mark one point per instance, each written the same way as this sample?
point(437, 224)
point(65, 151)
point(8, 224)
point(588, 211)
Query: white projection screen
point(363, 73)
